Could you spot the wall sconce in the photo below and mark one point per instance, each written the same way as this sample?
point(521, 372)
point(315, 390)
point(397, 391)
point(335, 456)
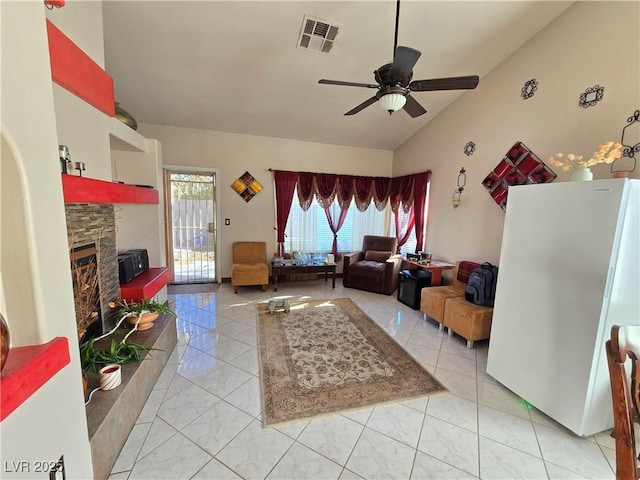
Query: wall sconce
point(462, 181)
point(626, 164)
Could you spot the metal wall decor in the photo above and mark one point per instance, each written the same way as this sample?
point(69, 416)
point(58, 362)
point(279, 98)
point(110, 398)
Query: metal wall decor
point(591, 96)
point(627, 163)
point(462, 181)
point(246, 186)
point(529, 89)
point(469, 148)
point(520, 166)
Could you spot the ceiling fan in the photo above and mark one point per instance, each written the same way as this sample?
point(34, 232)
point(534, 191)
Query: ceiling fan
point(394, 83)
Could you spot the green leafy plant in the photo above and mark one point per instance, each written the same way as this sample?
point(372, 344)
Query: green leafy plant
point(146, 305)
point(92, 357)
point(118, 353)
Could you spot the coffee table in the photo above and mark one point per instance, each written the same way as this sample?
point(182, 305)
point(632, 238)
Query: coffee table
point(285, 268)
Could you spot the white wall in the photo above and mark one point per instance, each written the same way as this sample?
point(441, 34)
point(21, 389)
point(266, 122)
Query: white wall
point(587, 45)
point(233, 154)
point(80, 125)
point(52, 421)
point(81, 21)
point(141, 226)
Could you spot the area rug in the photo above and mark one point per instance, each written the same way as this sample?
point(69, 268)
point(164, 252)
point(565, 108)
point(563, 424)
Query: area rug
point(328, 356)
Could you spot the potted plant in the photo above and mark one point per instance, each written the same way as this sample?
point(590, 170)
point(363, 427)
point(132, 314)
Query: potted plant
point(145, 312)
point(117, 353)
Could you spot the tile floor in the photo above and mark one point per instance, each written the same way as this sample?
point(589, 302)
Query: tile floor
point(203, 419)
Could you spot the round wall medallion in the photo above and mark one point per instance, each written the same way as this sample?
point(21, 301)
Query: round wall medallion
point(469, 148)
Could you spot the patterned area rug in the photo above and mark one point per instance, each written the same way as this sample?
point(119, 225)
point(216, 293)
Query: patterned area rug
point(327, 356)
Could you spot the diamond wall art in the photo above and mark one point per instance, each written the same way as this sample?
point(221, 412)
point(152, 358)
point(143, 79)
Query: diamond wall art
point(246, 186)
point(520, 166)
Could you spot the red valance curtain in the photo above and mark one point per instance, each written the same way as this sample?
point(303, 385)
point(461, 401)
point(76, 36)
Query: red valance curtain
point(401, 193)
point(407, 191)
point(326, 188)
point(380, 189)
point(362, 192)
point(345, 190)
point(305, 189)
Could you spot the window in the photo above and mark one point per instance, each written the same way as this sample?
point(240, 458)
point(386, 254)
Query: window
point(410, 245)
point(309, 231)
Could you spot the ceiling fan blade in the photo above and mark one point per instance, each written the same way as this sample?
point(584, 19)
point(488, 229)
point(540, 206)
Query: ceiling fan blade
point(347, 84)
point(362, 106)
point(413, 108)
point(450, 83)
point(403, 61)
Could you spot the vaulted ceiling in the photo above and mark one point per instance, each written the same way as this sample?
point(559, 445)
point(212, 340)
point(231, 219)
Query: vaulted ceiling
point(235, 66)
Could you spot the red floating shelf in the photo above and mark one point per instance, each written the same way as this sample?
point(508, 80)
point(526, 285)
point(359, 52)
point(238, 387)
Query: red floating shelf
point(89, 190)
point(27, 369)
point(75, 71)
point(145, 285)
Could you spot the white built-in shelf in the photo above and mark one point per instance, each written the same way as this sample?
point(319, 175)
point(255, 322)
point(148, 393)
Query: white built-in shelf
point(124, 138)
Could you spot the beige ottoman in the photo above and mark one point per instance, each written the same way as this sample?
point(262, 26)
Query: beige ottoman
point(432, 301)
point(472, 322)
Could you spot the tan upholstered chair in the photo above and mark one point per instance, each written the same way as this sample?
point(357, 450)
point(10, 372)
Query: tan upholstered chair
point(249, 265)
point(433, 299)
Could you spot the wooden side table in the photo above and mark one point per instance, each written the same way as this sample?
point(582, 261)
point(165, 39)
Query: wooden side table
point(436, 268)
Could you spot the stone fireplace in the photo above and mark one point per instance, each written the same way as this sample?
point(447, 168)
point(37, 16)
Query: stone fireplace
point(95, 224)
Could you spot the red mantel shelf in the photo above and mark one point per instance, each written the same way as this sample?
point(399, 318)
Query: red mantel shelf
point(145, 285)
point(27, 369)
point(78, 189)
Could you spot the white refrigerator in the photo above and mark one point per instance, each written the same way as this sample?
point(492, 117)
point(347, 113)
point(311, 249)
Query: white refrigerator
point(569, 269)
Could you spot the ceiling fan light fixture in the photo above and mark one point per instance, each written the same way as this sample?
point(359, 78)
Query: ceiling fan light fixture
point(392, 102)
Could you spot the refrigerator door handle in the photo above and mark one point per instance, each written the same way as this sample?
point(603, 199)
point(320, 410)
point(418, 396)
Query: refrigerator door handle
point(609, 285)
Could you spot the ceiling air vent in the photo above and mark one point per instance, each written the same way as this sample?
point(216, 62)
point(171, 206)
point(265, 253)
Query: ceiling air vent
point(317, 35)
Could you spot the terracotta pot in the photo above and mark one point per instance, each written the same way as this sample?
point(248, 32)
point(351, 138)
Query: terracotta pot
point(5, 340)
point(146, 322)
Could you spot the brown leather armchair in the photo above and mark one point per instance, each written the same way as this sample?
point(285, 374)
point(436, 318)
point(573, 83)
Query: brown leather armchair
point(249, 265)
point(375, 268)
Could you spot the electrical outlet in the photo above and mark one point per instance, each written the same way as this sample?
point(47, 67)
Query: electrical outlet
point(57, 471)
point(227, 221)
